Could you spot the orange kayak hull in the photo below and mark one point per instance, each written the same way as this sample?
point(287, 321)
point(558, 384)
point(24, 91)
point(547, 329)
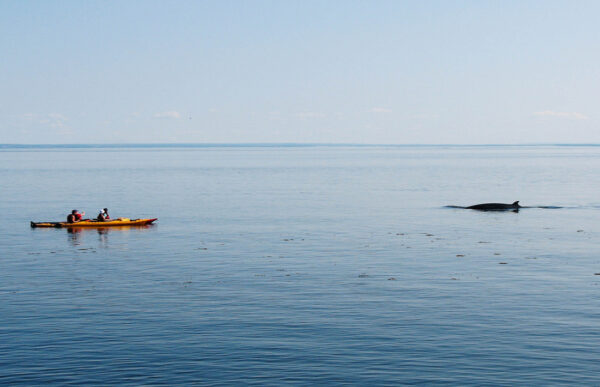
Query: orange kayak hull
point(94, 223)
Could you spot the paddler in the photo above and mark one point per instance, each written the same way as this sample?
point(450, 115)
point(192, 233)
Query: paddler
point(74, 216)
point(103, 215)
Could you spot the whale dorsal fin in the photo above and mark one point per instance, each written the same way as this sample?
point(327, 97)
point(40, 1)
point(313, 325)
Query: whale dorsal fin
point(516, 203)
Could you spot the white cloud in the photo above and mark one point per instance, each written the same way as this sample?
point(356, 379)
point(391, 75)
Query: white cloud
point(170, 114)
point(380, 110)
point(570, 115)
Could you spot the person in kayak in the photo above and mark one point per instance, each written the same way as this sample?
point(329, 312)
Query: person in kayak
point(74, 216)
point(103, 215)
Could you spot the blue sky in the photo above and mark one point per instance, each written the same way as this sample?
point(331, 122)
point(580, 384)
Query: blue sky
point(425, 72)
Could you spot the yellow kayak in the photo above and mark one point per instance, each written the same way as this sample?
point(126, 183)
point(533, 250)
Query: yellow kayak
point(96, 223)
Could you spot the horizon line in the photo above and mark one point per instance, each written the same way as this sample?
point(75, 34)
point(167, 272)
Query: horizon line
point(270, 144)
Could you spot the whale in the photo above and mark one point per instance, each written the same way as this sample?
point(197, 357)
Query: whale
point(514, 207)
point(495, 207)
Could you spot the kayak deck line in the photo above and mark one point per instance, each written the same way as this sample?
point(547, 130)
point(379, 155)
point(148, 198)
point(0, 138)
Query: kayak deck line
point(96, 223)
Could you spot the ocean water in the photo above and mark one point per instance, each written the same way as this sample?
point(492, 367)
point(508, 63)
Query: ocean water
point(301, 265)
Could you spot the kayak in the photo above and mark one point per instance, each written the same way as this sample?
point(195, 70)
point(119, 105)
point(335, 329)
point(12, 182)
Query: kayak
point(96, 223)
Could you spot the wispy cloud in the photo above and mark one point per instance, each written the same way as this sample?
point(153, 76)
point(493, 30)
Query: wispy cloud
point(274, 116)
point(569, 115)
point(170, 115)
point(309, 115)
point(55, 120)
point(380, 110)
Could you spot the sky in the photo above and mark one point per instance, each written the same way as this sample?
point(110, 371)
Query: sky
point(369, 72)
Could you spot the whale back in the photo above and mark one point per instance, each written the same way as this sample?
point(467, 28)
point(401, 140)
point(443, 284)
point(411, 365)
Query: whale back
point(495, 206)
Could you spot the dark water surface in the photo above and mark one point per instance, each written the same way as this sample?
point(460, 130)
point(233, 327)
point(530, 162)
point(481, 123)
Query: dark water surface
point(301, 265)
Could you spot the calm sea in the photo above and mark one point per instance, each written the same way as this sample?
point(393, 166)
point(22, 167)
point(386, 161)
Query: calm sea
point(301, 265)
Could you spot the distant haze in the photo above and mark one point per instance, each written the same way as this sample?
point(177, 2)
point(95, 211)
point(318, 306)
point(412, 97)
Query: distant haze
point(385, 72)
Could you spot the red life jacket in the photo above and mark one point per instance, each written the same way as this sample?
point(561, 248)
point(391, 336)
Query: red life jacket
point(77, 216)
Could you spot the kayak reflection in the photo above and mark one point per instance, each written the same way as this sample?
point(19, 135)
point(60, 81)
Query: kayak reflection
point(77, 235)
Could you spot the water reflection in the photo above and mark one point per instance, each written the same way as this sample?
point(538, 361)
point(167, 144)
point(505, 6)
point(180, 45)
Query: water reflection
point(76, 236)
point(103, 236)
